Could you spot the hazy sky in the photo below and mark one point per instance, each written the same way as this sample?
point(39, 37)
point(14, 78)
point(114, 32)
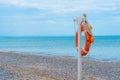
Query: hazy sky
point(55, 17)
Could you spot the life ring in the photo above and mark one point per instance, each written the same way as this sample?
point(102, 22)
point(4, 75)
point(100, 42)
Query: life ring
point(88, 40)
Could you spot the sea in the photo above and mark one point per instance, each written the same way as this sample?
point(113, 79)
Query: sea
point(104, 48)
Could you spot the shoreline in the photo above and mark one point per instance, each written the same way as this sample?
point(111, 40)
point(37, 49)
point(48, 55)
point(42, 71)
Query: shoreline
point(23, 66)
point(42, 54)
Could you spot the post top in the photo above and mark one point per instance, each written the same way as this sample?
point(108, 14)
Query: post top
point(84, 14)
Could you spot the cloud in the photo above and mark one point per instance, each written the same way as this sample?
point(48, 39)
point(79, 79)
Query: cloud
point(51, 21)
point(64, 6)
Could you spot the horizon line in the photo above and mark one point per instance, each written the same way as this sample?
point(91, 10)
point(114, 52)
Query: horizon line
point(54, 35)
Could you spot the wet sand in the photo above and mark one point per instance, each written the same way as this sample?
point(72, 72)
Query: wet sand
point(38, 67)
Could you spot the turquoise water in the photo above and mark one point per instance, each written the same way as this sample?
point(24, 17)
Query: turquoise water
point(106, 48)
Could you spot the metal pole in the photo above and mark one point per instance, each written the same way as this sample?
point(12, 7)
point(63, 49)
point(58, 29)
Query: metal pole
point(79, 53)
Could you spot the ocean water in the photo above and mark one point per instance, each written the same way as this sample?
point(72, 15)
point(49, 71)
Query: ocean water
point(106, 48)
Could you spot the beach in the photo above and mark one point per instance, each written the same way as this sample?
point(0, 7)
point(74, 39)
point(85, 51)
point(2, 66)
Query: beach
point(14, 66)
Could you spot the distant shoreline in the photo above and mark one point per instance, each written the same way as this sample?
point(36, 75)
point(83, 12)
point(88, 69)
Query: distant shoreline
point(26, 66)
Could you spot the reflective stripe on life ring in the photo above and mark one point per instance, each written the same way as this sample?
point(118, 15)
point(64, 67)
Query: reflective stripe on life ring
point(88, 40)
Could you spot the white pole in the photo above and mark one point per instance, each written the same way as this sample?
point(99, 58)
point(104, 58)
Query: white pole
point(79, 53)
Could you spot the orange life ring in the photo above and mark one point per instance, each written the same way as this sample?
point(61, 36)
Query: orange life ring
point(88, 40)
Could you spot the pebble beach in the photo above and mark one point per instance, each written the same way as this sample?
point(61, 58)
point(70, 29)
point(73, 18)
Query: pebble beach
point(14, 66)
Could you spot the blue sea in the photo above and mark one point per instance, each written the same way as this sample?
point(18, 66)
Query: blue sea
point(105, 48)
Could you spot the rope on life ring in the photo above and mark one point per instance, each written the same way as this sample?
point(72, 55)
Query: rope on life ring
point(88, 40)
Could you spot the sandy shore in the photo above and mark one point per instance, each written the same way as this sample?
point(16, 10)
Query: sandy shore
point(33, 67)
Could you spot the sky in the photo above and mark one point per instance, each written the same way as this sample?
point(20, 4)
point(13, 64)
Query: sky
point(55, 17)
